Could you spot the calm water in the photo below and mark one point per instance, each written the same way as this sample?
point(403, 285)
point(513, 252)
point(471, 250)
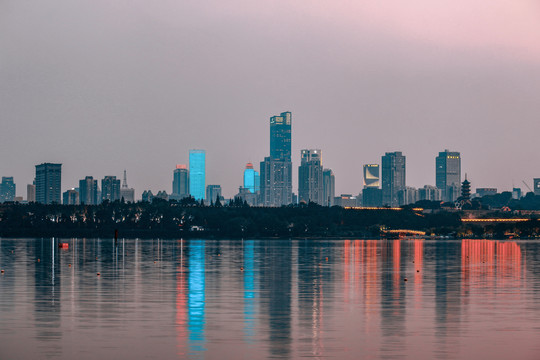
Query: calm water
point(473, 299)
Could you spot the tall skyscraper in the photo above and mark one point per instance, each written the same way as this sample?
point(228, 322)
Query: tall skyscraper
point(31, 193)
point(371, 176)
point(310, 177)
point(212, 193)
point(7, 189)
point(180, 186)
point(276, 170)
point(110, 188)
point(88, 191)
point(252, 180)
point(197, 174)
point(393, 177)
point(48, 183)
point(127, 193)
point(280, 136)
point(329, 187)
point(448, 175)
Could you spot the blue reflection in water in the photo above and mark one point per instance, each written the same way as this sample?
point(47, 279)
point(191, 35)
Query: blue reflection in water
point(249, 290)
point(196, 298)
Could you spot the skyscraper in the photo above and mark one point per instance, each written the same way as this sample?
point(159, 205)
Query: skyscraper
point(329, 187)
point(7, 189)
point(372, 194)
point(310, 177)
point(252, 180)
point(197, 174)
point(31, 193)
point(70, 197)
point(280, 136)
point(393, 177)
point(371, 176)
point(212, 193)
point(127, 193)
point(88, 191)
point(48, 183)
point(180, 186)
point(110, 188)
point(448, 175)
point(276, 170)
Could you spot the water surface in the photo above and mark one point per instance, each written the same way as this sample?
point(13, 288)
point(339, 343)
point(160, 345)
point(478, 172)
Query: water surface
point(253, 299)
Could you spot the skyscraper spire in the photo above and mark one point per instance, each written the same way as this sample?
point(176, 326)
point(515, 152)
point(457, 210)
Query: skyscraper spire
point(124, 183)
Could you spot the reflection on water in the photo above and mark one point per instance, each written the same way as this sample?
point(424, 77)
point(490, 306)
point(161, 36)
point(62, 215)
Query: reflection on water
point(258, 299)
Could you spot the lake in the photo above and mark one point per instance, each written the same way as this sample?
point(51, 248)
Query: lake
point(256, 299)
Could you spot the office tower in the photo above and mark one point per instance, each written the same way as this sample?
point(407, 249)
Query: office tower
point(276, 170)
point(110, 188)
point(7, 189)
point(276, 182)
point(430, 193)
point(329, 187)
point(70, 197)
point(127, 193)
point(280, 136)
point(393, 177)
point(31, 193)
point(371, 176)
point(252, 180)
point(88, 191)
point(180, 186)
point(536, 186)
point(448, 175)
point(408, 195)
point(197, 173)
point(212, 192)
point(48, 183)
point(310, 177)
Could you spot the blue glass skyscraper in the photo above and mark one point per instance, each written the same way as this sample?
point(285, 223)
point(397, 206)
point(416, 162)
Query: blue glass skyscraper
point(251, 179)
point(197, 174)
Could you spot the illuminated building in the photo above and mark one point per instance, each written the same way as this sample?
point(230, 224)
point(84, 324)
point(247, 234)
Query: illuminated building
point(448, 174)
point(180, 185)
point(212, 193)
point(346, 200)
point(48, 183)
point(70, 197)
point(197, 174)
point(393, 177)
point(110, 188)
point(252, 180)
point(329, 187)
point(88, 191)
point(7, 189)
point(371, 176)
point(280, 136)
point(310, 177)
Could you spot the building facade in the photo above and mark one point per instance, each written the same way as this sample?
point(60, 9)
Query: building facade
point(310, 177)
point(372, 176)
point(276, 182)
point(30, 193)
point(70, 197)
point(252, 179)
point(280, 136)
point(110, 188)
point(127, 193)
point(48, 183)
point(393, 177)
point(329, 187)
point(536, 184)
point(7, 189)
point(88, 191)
point(180, 184)
point(448, 175)
point(430, 193)
point(212, 193)
point(197, 174)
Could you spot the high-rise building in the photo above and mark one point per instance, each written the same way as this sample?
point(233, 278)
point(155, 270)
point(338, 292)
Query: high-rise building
point(31, 193)
point(430, 193)
point(252, 180)
point(536, 183)
point(408, 195)
point(329, 187)
point(280, 136)
point(448, 175)
point(110, 188)
point(48, 183)
point(310, 177)
point(180, 186)
point(197, 174)
point(372, 197)
point(276, 182)
point(393, 177)
point(371, 176)
point(70, 197)
point(212, 193)
point(7, 189)
point(88, 191)
point(127, 193)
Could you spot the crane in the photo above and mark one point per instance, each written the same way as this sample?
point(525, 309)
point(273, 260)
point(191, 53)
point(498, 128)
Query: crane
point(528, 187)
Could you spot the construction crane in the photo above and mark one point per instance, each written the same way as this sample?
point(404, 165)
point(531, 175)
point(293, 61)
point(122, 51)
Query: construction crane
point(528, 187)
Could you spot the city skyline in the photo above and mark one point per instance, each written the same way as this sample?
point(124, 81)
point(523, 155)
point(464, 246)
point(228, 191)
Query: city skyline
point(361, 79)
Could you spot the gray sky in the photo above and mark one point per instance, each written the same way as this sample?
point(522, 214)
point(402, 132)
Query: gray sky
point(104, 85)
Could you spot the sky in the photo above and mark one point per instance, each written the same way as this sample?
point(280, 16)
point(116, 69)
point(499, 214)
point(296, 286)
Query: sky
point(106, 85)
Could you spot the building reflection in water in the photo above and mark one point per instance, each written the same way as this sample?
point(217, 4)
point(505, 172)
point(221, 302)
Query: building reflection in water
point(250, 280)
point(181, 302)
point(418, 271)
point(196, 296)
